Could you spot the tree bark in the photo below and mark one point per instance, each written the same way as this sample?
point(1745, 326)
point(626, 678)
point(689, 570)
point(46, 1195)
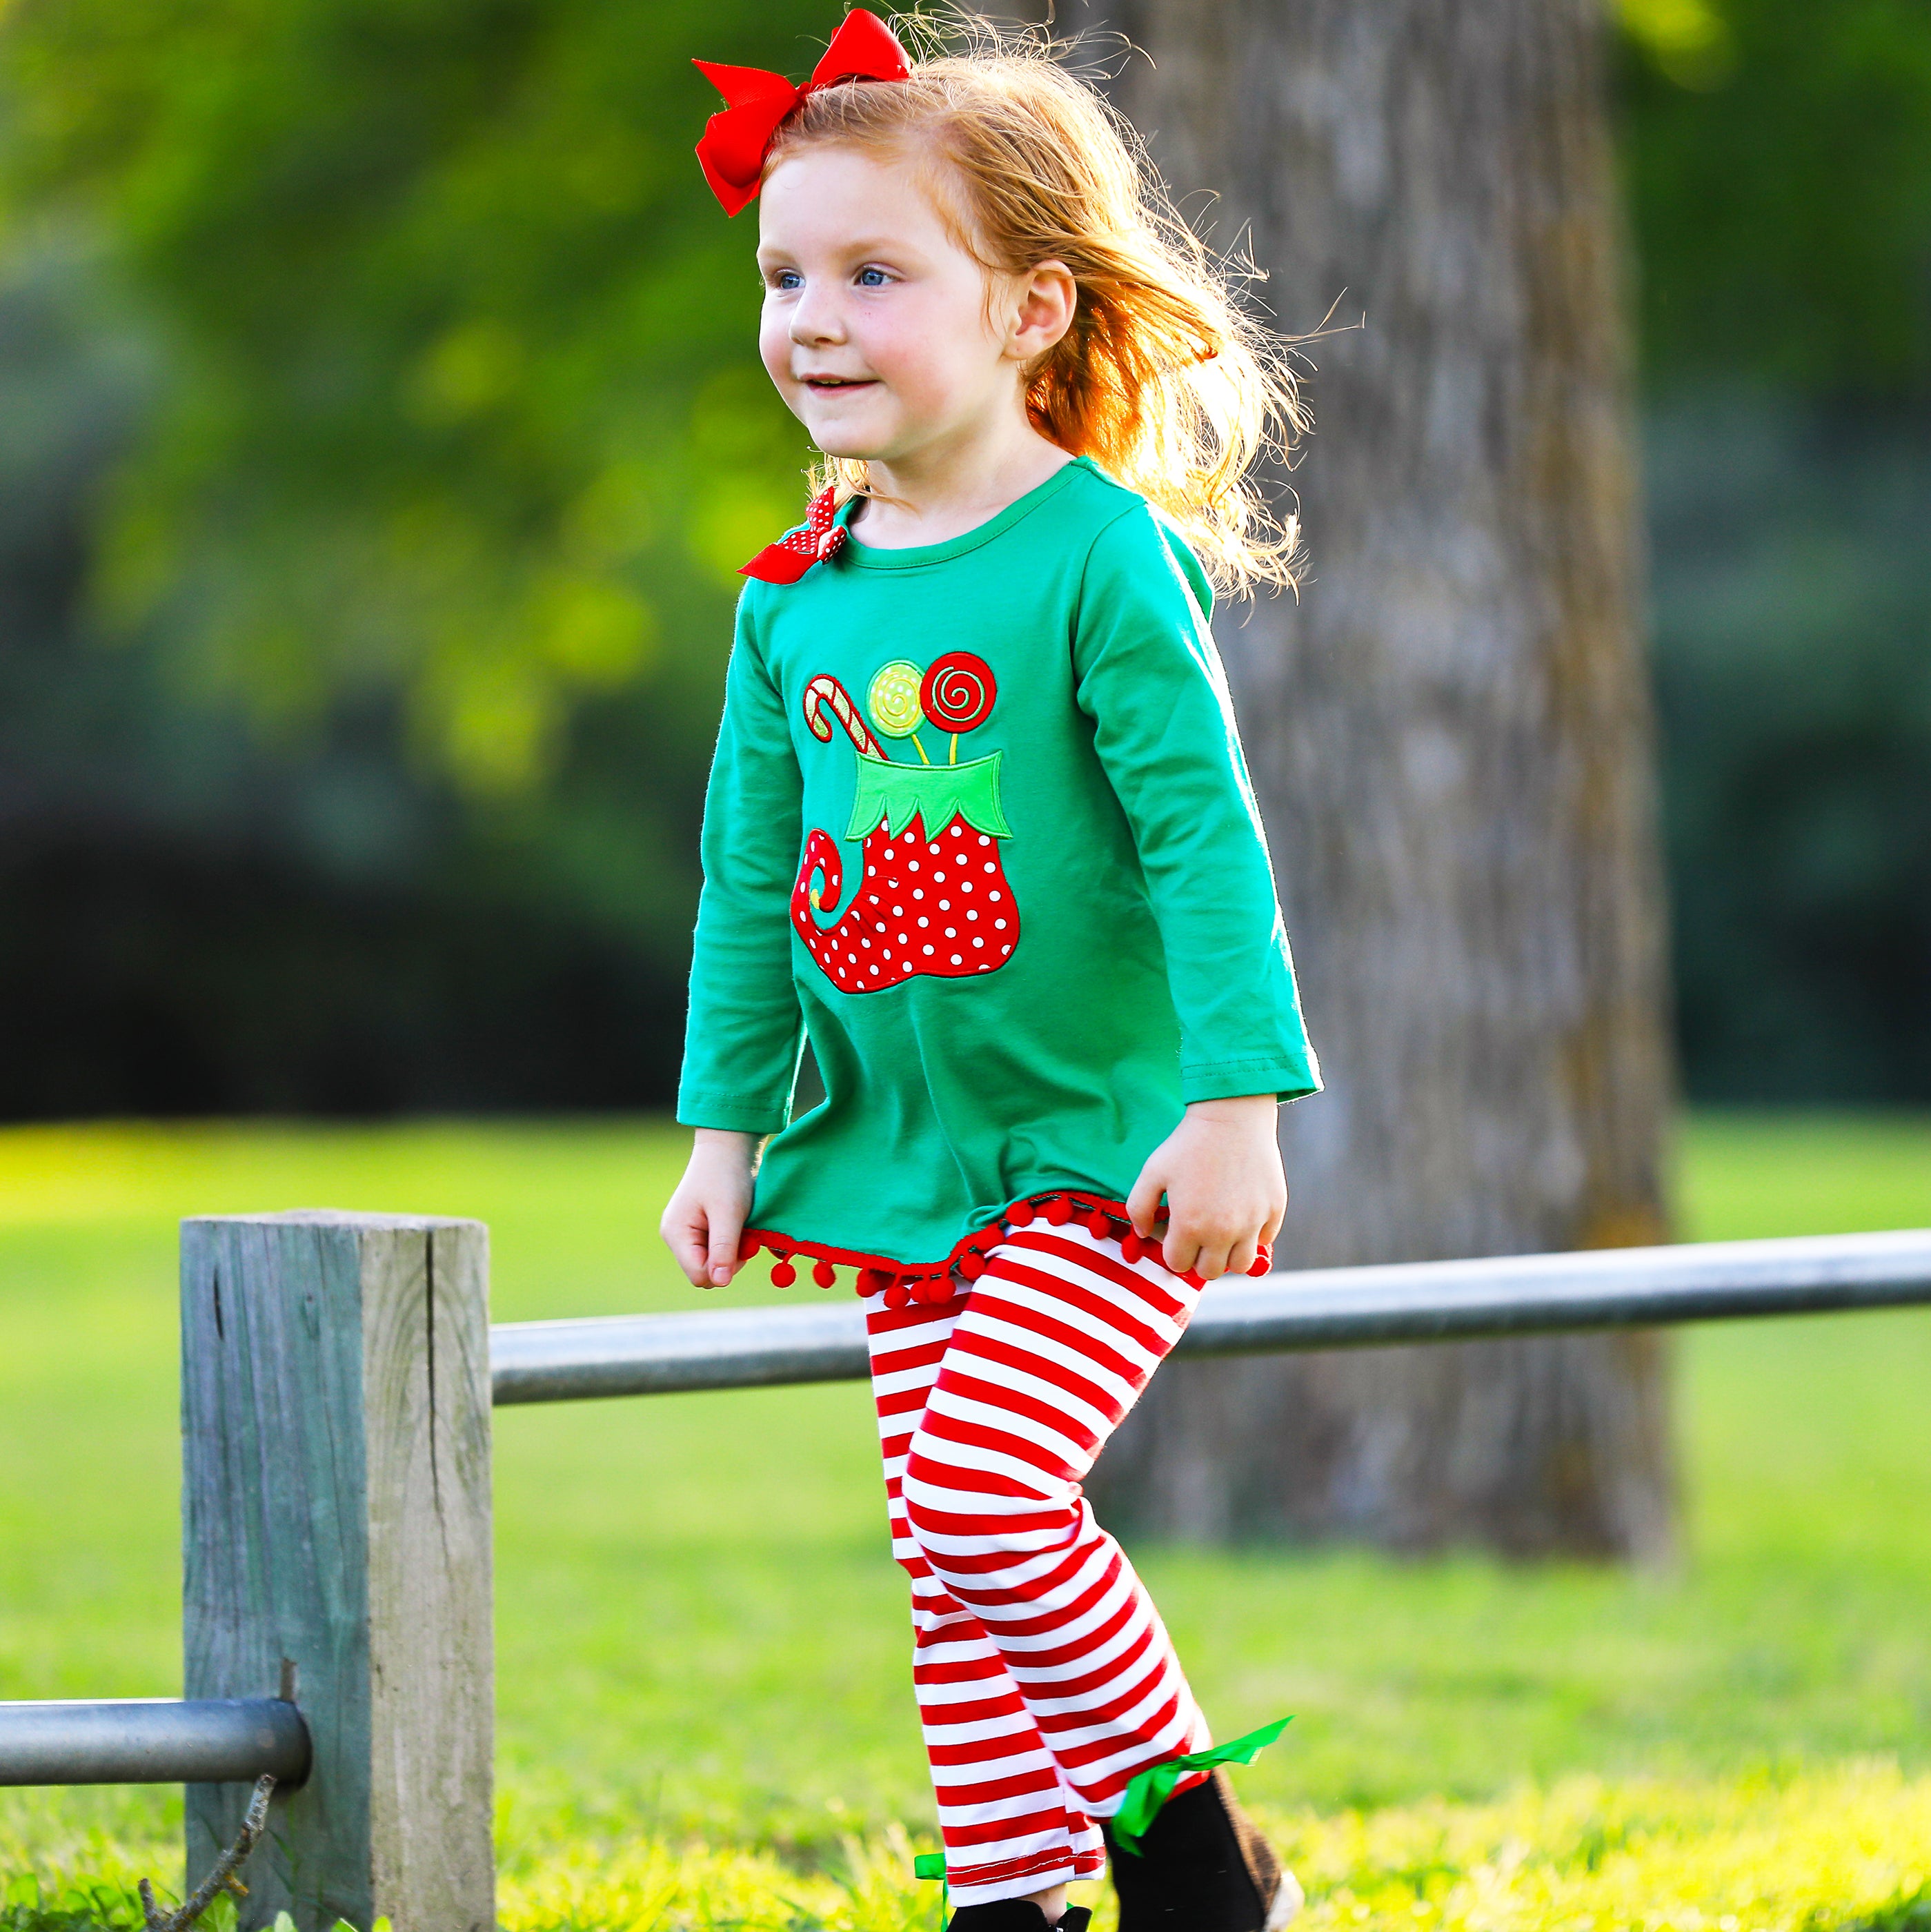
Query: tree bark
point(1449, 733)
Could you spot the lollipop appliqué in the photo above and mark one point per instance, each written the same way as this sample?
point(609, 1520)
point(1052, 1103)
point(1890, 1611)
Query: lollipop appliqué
point(892, 698)
point(958, 691)
point(956, 695)
point(934, 899)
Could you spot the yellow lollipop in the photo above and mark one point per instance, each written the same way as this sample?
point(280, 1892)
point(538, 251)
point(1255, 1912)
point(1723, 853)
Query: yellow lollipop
point(892, 698)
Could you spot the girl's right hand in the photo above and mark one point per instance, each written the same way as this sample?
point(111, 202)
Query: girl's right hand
point(707, 1215)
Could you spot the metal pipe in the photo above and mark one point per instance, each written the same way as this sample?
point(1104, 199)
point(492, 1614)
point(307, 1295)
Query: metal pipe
point(660, 1355)
point(153, 1741)
point(1321, 1308)
point(1530, 1294)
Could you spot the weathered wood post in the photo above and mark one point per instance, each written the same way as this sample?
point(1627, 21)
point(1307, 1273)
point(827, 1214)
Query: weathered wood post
point(335, 1520)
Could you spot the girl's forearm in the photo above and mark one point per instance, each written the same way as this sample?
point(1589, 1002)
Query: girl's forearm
point(1248, 1107)
point(726, 1143)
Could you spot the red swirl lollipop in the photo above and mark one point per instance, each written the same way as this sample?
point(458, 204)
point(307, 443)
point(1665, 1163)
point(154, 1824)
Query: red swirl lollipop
point(958, 691)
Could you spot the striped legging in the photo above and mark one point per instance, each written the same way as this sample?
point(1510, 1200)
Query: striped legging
point(1045, 1679)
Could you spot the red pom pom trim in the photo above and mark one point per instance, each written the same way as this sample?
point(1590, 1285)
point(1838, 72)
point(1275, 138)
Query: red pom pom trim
point(947, 1279)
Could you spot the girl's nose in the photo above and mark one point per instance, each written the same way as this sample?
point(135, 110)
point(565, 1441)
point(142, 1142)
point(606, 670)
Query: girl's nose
point(815, 317)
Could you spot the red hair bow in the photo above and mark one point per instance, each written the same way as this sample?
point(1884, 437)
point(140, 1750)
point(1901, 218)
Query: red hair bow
point(736, 140)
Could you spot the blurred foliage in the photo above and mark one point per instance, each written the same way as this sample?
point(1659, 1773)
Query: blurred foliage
point(1779, 159)
point(198, 918)
point(459, 407)
point(380, 426)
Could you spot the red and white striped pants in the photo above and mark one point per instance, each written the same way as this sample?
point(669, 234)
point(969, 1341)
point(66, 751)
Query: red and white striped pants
point(1045, 1679)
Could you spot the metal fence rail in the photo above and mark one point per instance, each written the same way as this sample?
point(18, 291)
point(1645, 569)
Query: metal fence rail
point(1322, 1308)
point(153, 1741)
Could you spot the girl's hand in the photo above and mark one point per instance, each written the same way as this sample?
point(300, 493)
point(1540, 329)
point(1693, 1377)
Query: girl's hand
point(1220, 1170)
point(706, 1214)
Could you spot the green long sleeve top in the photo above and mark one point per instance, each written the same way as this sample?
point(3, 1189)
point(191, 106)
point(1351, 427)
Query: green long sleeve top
point(979, 824)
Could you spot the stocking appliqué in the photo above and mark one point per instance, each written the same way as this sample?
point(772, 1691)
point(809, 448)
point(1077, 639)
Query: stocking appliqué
point(934, 897)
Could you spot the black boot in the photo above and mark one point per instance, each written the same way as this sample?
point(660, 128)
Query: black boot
point(1202, 1867)
point(1015, 1915)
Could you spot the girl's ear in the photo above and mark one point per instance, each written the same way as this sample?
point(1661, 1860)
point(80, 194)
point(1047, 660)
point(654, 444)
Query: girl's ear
point(1048, 297)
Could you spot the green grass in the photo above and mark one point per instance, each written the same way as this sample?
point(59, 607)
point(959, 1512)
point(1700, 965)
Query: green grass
point(701, 1637)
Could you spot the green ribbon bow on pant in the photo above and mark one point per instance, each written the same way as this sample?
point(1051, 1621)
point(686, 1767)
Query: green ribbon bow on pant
point(1147, 1793)
point(1141, 1804)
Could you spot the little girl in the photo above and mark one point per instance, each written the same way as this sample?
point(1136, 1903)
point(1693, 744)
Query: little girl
point(979, 826)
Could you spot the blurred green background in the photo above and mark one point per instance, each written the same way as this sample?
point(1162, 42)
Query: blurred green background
point(379, 428)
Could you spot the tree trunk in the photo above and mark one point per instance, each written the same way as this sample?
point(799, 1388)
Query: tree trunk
point(1451, 736)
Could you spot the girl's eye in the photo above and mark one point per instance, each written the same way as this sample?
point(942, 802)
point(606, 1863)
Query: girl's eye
point(786, 279)
point(872, 278)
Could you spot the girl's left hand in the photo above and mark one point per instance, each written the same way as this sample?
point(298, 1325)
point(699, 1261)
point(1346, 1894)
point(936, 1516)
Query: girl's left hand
point(1220, 1170)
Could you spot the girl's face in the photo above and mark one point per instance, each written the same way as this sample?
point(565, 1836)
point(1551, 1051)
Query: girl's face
point(886, 338)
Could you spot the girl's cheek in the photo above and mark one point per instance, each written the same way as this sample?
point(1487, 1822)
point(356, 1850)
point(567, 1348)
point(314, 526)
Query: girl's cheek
point(892, 349)
point(774, 347)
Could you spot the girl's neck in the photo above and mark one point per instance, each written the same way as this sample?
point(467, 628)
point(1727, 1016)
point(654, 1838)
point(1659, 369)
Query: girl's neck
point(943, 491)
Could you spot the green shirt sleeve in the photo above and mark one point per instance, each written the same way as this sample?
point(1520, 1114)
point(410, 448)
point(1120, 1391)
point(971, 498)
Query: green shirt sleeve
point(745, 1035)
point(1150, 678)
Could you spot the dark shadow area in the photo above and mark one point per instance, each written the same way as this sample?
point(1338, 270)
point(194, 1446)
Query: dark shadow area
point(1792, 614)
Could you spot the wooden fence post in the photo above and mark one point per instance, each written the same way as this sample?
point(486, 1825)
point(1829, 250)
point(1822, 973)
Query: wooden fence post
point(335, 1521)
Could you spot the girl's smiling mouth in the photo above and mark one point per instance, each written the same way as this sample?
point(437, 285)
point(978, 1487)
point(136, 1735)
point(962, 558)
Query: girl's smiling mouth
point(838, 382)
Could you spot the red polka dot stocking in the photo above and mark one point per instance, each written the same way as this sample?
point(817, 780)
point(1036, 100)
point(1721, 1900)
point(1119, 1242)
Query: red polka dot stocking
point(939, 905)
